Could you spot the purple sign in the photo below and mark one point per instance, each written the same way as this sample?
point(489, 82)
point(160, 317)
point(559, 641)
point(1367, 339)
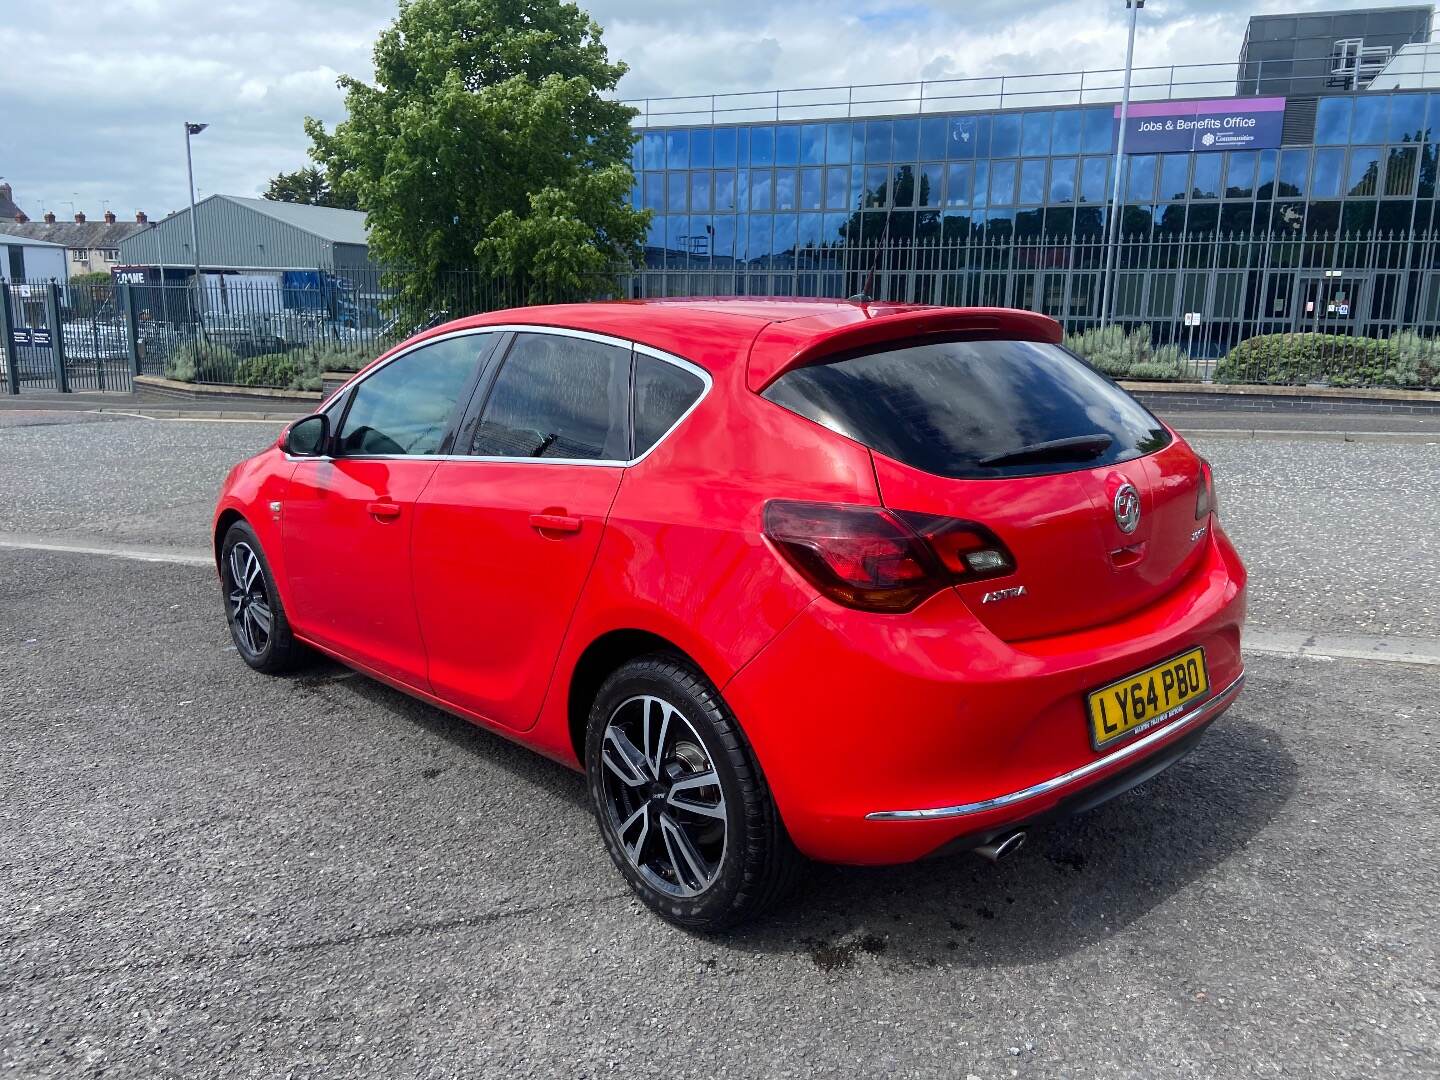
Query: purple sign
point(1161, 127)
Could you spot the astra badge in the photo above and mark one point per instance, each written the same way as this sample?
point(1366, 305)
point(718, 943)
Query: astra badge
point(1127, 508)
point(1003, 594)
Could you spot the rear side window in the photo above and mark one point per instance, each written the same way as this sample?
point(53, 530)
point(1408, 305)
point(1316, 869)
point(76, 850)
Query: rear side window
point(975, 409)
point(557, 397)
point(660, 395)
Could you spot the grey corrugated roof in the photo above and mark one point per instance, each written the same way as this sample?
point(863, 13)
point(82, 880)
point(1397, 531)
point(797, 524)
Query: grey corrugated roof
point(326, 222)
point(75, 234)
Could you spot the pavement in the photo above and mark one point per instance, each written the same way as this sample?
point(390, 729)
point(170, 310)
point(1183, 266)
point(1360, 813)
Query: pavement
point(208, 873)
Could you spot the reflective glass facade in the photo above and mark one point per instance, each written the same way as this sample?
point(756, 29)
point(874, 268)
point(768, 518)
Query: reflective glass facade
point(755, 194)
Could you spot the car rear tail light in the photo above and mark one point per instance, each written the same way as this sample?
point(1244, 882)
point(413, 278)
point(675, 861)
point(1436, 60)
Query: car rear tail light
point(880, 560)
point(1205, 497)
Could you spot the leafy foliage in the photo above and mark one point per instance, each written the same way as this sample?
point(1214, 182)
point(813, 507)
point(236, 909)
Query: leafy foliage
point(216, 362)
point(485, 142)
point(1405, 360)
point(311, 186)
point(301, 369)
point(1129, 355)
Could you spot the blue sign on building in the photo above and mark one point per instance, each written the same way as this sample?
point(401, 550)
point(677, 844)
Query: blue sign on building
point(1161, 127)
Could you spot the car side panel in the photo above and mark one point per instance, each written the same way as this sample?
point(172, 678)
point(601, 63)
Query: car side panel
point(683, 555)
point(249, 489)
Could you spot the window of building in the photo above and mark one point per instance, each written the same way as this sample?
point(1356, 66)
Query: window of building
point(1002, 183)
point(785, 232)
point(1407, 118)
point(1293, 173)
point(787, 145)
point(725, 154)
point(1094, 174)
point(1327, 174)
point(1005, 135)
point(654, 191)
point(837, 189)
point(1363, 178)
point(932, 138)
point(877, 141)
point(1370, 123)
point(1205, 183)
point(405, 407)
point(1099, 130)
point(957, 184)
point(905, 141)
point(725, 190)
point(1240, 174)
point(762, 183)
point(110, 254)
point(812, 144)
point(1174, 176)
point(660, 395)
point(654, 149)
point(811, 185)
point(677, 149)
point(1062, 180)
point(15, 259)
point(980, 190)
point(702, 154)
point(758, 231)
point(1140, 185)
point(80, 254)
point(700, 190)
point(837, 144)
point(1400, 170)
point(676, 184)
point(1035, 134)
point(877, 183)
point(785, 189)
point(1332, 121)
point(1065, 132)
point(1032, 181)
point(557, 397)
point(762, 146)
point(969, 136)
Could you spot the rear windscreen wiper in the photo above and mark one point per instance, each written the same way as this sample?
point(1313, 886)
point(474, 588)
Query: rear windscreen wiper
point(1077, 448)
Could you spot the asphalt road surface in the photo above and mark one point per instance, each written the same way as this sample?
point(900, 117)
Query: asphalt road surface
point(208, 873)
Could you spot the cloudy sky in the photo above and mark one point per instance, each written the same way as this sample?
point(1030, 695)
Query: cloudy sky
point(93, 96)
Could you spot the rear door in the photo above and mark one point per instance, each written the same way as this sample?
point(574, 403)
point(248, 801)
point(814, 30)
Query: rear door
point(347, 519)
point(507, 530)
point(1090, 492)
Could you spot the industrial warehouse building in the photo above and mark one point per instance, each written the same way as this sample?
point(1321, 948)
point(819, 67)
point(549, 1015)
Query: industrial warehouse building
point(995, 190)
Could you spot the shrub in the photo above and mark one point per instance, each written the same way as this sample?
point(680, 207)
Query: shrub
point(215, 362)
point(346, 357)
point(1131, 354)
point(281, 370)
point(1405, 360)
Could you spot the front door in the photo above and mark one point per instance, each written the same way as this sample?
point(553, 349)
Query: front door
point(347, 520)
point(504, 541)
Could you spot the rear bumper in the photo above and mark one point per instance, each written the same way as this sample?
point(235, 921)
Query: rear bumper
point(1199, 717)
point(887, 739)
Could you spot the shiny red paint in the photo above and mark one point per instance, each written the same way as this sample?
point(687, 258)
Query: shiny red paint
point(494, 585)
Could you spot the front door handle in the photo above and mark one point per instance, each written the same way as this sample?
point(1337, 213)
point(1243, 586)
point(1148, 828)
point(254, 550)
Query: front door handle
point(563, 523)
point(383, 510)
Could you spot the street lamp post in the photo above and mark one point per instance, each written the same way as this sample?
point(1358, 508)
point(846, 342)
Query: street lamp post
point(1112, 230)
point(194, 129)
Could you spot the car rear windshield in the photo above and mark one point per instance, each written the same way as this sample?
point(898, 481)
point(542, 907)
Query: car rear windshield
point(975, 409)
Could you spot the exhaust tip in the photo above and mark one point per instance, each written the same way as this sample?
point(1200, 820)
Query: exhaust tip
point(1002, 847)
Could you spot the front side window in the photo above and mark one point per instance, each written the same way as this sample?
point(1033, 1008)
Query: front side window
point(557, 397)
point(405, 407)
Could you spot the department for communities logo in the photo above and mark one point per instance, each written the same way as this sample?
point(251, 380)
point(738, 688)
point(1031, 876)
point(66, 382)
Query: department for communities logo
point(1207, 139)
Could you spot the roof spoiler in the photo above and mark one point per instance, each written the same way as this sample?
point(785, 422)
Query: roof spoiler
point(784, 346)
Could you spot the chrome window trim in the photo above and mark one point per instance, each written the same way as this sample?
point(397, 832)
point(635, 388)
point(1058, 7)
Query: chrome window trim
point(704, 376)
point(1205, 711)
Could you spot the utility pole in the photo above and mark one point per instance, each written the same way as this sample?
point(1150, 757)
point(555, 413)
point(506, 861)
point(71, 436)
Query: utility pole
point(1112, 231)
point(194, 129)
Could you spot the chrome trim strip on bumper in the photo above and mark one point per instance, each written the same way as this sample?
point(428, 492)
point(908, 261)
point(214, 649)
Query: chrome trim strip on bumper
point(1205, 711)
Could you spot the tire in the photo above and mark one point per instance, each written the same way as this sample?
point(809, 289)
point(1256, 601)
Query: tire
point(706, 856)
point(257, 621)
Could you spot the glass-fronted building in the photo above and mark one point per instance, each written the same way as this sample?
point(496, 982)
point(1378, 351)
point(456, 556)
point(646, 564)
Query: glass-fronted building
point(783, 197)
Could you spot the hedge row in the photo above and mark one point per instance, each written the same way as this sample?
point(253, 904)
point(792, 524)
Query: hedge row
point(296, 370)
point(1405, 360)
point(1130, 355)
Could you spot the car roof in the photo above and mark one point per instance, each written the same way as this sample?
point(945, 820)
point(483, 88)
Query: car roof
point(767, 335)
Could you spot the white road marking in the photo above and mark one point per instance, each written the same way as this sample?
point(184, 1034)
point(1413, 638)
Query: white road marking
point(1302, 644)
point(138, 552)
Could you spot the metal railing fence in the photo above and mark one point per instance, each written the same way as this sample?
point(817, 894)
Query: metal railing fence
point(1333, 309)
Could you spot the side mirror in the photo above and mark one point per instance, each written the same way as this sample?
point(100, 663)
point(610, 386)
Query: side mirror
point(308, 437)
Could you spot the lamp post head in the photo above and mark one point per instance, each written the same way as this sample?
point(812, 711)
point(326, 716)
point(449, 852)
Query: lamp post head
point(194, 129)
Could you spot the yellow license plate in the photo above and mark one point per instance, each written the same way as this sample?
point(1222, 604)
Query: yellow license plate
point(1147, 698)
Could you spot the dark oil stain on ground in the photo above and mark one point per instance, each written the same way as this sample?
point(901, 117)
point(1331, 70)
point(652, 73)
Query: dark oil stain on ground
point(833, 956)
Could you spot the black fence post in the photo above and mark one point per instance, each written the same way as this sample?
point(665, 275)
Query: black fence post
point(132, 331)
point(57, 336)
point(7, 342)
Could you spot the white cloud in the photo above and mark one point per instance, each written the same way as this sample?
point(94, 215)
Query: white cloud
point(94, 114)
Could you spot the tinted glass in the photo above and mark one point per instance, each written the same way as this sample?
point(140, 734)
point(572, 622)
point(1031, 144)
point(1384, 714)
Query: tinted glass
point(405, 407)
point(1005, 135)
point(1332, 121)
point(787, 145)
point(1206, 182)
point(951, 408)
point(662, 392)
point(1066, 137)
point(556, 397)
point(762, 146)
point(1035, 134)
point(932, 137)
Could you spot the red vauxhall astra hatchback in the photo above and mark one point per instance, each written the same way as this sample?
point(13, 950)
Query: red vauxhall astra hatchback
point(862, 583)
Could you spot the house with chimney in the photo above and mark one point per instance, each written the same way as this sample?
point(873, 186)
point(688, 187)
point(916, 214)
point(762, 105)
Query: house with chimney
point(90, 246)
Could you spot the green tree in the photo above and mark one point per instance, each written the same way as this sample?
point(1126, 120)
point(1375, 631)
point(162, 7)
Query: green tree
point(485, 142)
point(309, 185)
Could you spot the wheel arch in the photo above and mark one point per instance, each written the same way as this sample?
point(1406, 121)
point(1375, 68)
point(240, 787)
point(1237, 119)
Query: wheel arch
point(601, 657)
point(227, 517)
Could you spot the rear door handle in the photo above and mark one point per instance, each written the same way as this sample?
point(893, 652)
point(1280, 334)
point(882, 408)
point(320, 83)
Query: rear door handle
point(555, 523)
point(382, 510)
